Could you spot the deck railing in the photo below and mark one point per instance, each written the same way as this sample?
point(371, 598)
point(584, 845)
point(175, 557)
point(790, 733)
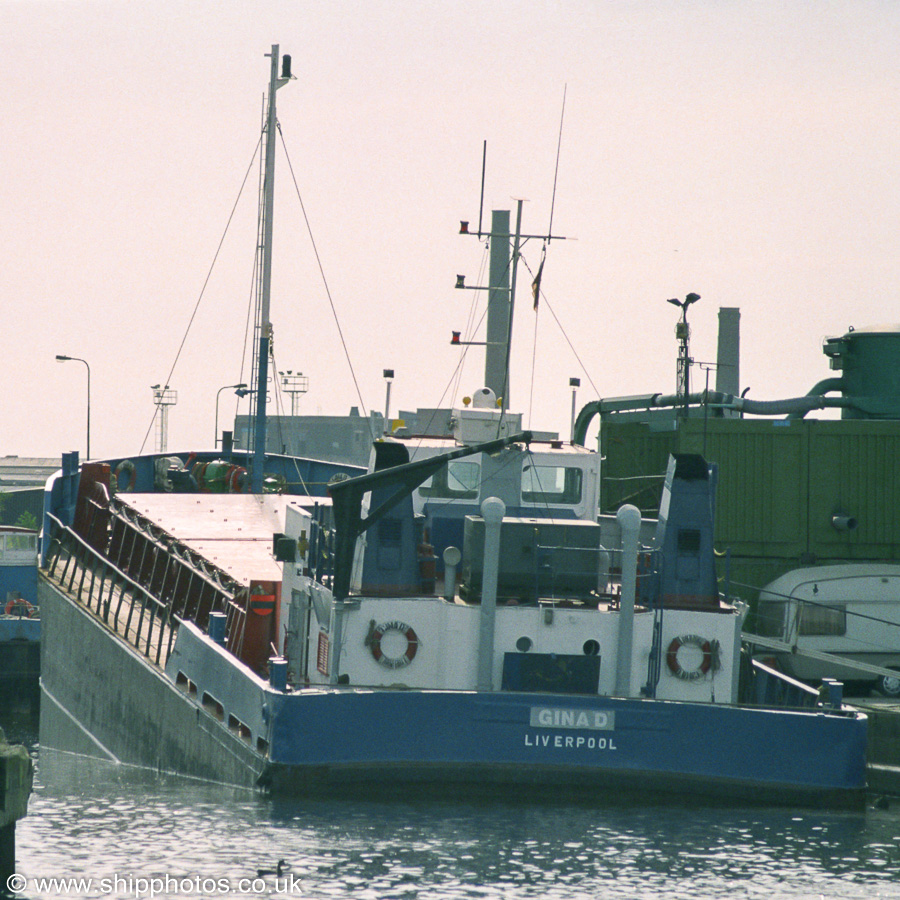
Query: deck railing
point(141, 619)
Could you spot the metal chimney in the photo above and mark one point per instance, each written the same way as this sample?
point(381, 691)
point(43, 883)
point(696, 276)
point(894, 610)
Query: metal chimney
point(728, 358)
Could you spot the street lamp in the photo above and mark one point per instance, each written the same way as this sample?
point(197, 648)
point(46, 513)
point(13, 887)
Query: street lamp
point(388, 377)
point(61, 358)
point(240, 390)
point(574, 383)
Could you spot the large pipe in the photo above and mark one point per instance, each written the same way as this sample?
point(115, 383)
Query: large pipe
point(629, 518)
point(492, 511)
point(795, 407)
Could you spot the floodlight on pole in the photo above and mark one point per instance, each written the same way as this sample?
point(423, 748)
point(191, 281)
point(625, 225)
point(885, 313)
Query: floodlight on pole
point(238, 389)
point(61, 358)
point(683, 335)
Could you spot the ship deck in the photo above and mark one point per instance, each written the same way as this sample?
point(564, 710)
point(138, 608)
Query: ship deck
point(233, 532)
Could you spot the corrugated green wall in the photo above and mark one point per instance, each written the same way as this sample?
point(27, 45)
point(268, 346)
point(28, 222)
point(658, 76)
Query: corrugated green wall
point(780, 483)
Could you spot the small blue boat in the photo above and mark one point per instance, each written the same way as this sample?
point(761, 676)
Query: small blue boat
point(20, 624)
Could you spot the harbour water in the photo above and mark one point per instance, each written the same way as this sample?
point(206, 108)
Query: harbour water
point(97, 830)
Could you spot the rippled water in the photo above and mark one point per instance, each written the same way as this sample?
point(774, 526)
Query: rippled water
point(138, 834)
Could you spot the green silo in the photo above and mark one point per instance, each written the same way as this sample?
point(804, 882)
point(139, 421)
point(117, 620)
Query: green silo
point(870, 361)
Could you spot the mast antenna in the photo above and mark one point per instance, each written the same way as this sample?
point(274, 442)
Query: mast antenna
point(556, 170)
point(481, 201)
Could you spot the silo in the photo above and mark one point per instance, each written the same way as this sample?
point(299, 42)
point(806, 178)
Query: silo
point(870, 361)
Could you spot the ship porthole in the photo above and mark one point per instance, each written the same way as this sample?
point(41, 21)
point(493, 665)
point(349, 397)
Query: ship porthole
point(524, 644)
point(591, 648)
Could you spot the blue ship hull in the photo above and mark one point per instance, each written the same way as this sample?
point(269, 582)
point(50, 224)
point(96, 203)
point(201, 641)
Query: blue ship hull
point(101, 697)
point(119, 679)
point(345, 742)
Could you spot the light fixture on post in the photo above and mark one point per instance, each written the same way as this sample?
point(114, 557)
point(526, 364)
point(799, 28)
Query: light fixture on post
point(294, 383)
point(163, 397)
point(574, 383)
point(61, 358)
point(237, 389)
point(683, 335)
point(388, 377)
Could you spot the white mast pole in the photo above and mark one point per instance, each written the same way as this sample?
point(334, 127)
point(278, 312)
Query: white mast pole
point(259, 446)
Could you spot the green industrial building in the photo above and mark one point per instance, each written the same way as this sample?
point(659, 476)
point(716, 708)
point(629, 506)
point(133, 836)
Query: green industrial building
point(793, 490)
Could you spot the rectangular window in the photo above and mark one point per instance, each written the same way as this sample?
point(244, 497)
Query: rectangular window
point(458, 480)
point(18, 549)
point(22, 542)
point(770, 618)
point(551, 484)
point(822, 620)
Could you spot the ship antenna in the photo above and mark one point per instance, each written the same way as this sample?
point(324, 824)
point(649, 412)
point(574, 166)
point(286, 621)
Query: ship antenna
point(556, 170)
point(481, 201)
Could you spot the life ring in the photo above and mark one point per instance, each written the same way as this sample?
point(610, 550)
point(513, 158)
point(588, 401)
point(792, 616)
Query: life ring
point(260, 602)
point(237, 479)
point(20, 606)
point(690, 640)
point(377, 632)
point(126, 467)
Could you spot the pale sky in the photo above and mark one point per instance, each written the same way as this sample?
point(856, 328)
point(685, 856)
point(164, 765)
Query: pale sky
point(746, 151)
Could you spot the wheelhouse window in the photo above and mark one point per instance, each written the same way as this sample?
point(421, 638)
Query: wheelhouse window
point(458, 480)
point(551, 484)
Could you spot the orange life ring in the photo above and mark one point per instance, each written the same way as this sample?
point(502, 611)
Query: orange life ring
point(691, 640)
point(261, 603)
point(237, 479)
point(393, 662)
point(20, 604)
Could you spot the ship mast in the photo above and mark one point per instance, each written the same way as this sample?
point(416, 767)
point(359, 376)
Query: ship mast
point(263, 325)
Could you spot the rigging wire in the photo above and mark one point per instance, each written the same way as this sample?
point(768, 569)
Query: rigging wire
point(325, 283)
point(251, 302)
point(472, 325)
point(563, 333)
point(202, 290)
point(250, 333)
point(282, 416)
point(536, 284)
point(556, 170)
point(534, 339)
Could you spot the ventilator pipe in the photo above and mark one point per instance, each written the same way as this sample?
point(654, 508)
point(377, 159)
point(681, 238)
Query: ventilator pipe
point(629, 518)
point(492, 511)
point(452, 556)
point(844, 523)
point(603, 562)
